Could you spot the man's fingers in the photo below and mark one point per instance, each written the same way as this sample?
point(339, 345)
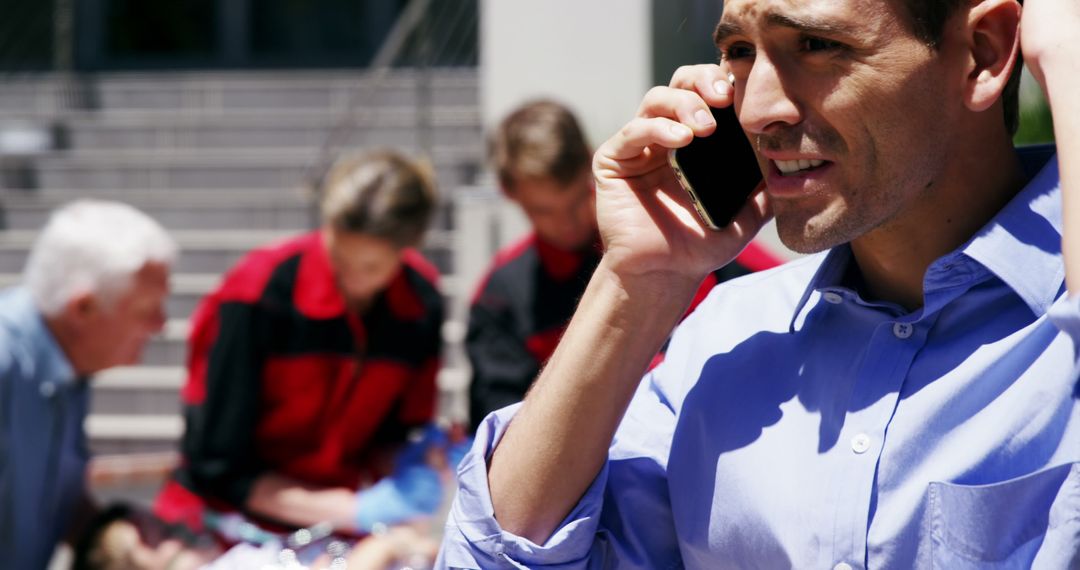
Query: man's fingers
point(710, 81)
point(686, 107)
point(637, 135)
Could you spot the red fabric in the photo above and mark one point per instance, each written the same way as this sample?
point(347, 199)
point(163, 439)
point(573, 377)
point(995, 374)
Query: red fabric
point(757, 257)
point(316, 421)
point(559, 264)
point(541, 345)
point(177, 505)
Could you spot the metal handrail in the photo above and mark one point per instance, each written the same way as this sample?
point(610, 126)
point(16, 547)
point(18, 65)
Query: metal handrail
point(392, 47)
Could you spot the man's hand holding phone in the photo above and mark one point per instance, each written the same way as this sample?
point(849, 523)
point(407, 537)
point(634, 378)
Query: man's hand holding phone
point(648, 221)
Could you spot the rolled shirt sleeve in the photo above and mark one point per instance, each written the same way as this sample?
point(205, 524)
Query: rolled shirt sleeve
point(605, 529)
point(473, 537)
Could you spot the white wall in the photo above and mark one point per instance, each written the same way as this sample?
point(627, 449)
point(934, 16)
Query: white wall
point(593, 55)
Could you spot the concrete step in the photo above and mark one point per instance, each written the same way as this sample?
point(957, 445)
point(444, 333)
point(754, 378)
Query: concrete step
point(191, 208)
point(213, 251)
point(137, 409)
point(155, 390)
point(217, 92)
point(276, 168)
point(181, 210)
point(370, 126)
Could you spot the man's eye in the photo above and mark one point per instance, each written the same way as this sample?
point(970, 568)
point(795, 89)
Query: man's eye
point(736, 51)
point(812, 44)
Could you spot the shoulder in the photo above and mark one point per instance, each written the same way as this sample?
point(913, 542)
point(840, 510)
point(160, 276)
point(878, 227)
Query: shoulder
point(415, 295)
point(17, 313)
point(773, 293)
point(741, 308)
point(746, 317)
point(419, 268)
point(247, 280)
point(511, 264)
point(524, 249)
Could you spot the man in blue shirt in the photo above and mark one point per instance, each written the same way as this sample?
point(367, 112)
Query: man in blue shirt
point(899, 400)
point(93, 293)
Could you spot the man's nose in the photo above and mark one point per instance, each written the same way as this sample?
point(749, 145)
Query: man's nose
point(766, 102)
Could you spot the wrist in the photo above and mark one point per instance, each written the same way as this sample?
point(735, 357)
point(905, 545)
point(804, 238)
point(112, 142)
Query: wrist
point(651, 292)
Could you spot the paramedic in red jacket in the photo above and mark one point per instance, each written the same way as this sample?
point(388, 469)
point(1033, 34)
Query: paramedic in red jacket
point(312, 361)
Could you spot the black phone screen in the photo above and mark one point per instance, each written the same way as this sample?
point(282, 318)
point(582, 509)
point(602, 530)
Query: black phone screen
point(719, 171)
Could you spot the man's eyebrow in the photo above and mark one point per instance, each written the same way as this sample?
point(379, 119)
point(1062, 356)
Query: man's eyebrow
point(812, 26)
point(724, 30)
point(809, 25)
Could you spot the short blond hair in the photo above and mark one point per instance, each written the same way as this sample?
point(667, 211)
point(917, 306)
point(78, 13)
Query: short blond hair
point(383, 193)
point(539, 140)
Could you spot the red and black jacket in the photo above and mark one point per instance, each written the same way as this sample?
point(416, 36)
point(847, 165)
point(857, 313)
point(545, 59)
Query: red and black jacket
point(283, 377)
point(523, 305)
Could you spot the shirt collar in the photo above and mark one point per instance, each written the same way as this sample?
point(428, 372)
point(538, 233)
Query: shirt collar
point(1021, 245)
point(49, 360)
point(829, 274)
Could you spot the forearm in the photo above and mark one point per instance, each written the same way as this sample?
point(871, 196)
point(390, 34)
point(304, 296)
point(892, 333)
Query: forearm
point(287, 500)
point(558, 442)
point(1063, 92)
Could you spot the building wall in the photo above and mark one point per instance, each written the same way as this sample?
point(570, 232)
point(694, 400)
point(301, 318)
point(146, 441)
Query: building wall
point(594, 55)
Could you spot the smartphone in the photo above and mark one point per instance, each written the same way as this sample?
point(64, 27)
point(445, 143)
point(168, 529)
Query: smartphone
point(719, 171)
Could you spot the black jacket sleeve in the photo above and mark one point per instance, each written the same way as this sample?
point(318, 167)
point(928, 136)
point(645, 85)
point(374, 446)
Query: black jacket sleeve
point(219, 442)
point(503, 369)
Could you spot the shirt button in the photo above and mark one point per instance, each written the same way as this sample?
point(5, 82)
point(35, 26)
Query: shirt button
point(843, 566)
point(860, 443)
point(903, 330)
point(47, 389)
point(833, 298)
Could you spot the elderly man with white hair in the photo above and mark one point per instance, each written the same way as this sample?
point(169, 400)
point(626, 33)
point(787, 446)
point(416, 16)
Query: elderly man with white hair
point(93, 292)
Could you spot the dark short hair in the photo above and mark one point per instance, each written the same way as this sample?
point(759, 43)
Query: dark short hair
point(927, 19)
point(382, 194)
point(539, 140)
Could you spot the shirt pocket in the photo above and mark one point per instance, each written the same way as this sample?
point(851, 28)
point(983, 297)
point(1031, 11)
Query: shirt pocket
point(1006, 525)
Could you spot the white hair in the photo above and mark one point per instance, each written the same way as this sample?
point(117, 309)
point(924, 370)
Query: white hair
point(96, 247)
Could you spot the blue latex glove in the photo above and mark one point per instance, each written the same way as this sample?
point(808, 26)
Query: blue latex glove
point(410, 492)
point(420, 441)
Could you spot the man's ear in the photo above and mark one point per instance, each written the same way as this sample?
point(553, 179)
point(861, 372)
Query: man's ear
point(81, 308)
point(993, 28)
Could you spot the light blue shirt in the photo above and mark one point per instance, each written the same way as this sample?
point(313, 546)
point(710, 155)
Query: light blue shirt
point(42, 444)
point(795, 424)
